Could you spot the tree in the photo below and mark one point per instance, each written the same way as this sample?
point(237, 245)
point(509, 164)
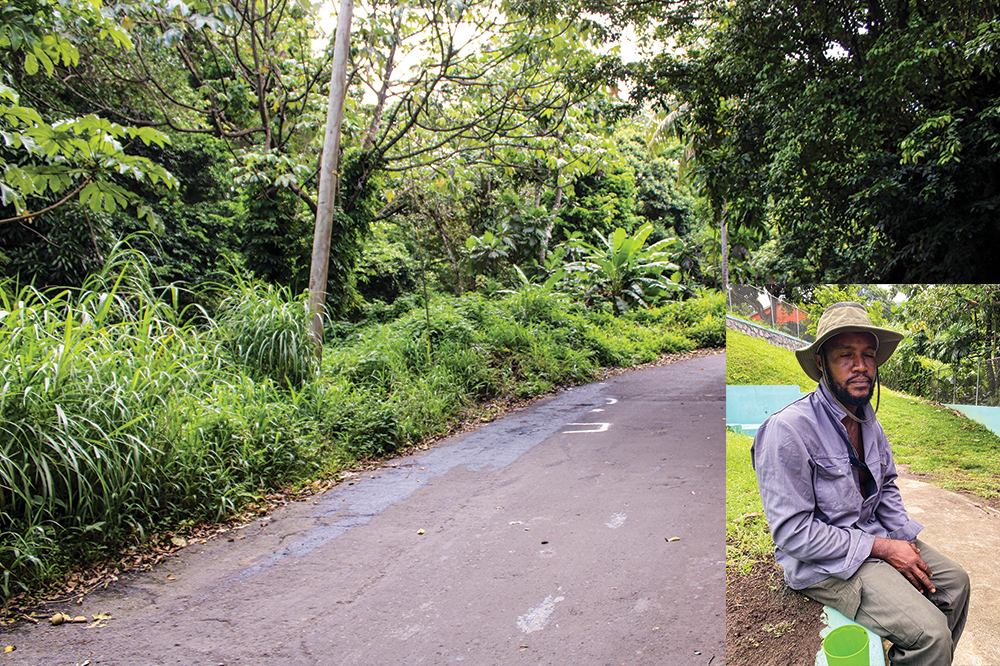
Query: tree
point(186, 70)
point(958, 325)
point(862, 137)
point(49, 159)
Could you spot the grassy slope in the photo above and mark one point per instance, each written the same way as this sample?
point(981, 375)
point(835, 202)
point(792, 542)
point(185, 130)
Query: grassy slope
point(929, 439)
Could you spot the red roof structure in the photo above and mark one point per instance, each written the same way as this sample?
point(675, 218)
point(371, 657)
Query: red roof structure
point(785, 316)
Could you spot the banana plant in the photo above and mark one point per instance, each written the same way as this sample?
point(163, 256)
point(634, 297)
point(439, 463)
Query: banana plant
point(625, 270)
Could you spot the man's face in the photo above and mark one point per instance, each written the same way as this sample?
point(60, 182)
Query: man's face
point(850, 366)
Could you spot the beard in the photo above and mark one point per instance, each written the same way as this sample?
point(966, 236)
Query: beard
point(841, 392)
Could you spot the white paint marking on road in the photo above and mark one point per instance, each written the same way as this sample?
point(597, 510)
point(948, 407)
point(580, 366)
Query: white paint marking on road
point(595, 411)
point(594, 427)
point(536, 618)
point(617, 521)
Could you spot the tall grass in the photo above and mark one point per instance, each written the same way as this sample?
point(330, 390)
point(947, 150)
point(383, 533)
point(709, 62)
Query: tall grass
point(85, 380)
point(266, 329)
point(116, 416)
point(121, 415)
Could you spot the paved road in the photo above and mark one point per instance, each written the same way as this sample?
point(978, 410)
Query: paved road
point(585, 530)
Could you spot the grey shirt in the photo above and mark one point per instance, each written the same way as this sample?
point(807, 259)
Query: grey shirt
point(821, 524)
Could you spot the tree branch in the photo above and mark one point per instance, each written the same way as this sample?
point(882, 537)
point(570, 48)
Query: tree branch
point(66, 198)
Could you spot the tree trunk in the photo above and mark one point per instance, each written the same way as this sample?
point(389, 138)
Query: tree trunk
point(439, 226)
point(328, 178)
point(725, 250)
point(550, 227)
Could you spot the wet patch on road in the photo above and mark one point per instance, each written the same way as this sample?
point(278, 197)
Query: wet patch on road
point(488, 449)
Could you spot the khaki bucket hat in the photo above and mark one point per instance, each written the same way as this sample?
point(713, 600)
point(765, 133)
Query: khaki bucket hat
point(847, 318)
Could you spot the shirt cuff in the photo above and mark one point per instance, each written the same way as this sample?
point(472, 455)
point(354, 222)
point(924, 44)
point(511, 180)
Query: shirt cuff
point(907, 532)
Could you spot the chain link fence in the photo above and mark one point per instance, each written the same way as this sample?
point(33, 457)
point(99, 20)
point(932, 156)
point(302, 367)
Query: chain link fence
point(762, 308)
point(969, 382)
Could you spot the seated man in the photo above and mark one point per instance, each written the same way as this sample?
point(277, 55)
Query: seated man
point(828, 484)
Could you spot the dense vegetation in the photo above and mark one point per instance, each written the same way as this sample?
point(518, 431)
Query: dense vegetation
point(854, 142)
point(505, 222)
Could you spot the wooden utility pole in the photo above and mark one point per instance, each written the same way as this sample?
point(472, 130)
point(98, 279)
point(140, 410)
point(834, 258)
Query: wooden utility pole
point(329, 175)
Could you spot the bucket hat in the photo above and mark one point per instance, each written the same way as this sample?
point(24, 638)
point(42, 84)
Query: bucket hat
point(847, 317)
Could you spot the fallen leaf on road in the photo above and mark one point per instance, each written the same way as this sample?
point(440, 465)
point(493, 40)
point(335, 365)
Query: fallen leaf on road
point(180, 542)
point(103, 616)
point(420, 531)
point(673, 538)
point(9, 648)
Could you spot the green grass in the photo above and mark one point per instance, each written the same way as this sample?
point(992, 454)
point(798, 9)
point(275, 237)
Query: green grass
point(747, 537)
point(928, 439)
point(752, 361)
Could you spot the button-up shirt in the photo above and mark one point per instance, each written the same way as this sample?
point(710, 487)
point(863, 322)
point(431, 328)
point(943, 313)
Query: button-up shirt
point(821, 524)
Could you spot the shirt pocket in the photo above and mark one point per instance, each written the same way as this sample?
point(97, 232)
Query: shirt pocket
point(834, 486)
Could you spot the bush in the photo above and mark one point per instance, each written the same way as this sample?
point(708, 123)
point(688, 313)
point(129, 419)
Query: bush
point(121, 416)
point(266, 329)
point(86, 383)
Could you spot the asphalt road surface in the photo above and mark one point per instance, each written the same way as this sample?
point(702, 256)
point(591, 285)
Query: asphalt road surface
point(584, 530)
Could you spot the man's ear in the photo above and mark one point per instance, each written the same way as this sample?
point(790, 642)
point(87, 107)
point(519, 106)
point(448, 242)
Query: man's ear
point(818, 360)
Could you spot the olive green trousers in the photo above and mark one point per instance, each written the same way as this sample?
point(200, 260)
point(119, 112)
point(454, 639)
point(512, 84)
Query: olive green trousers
point(924, 628)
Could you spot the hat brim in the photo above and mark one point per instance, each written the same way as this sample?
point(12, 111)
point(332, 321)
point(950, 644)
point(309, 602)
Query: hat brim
point(888, 340)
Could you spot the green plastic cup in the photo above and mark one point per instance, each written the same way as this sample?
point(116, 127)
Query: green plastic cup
point(847, 646)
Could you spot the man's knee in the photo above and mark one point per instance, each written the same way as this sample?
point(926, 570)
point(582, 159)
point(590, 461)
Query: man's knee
point(952, 583)
point(962, 581)
point(937, 644)
point(932, 645)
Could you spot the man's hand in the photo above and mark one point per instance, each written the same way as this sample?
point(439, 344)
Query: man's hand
point(905, 558)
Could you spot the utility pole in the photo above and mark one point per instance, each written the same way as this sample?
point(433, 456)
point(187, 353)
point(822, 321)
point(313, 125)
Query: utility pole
point(329, 180)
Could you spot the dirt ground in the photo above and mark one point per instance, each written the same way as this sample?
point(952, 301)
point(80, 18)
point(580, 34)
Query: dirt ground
point(768, 623)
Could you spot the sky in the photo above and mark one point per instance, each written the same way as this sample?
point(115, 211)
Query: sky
point(627, 45)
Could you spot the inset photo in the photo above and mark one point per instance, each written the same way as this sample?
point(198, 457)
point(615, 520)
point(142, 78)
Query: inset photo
point(862, 476)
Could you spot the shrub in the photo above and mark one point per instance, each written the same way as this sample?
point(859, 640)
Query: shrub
point(266, 329)
point(85, 380)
